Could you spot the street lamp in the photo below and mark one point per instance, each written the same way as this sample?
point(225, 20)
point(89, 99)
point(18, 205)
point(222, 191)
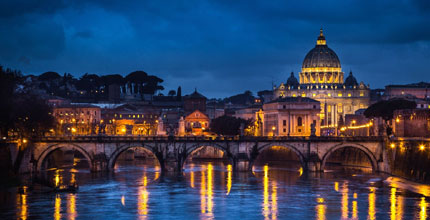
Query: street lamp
point(273, 130)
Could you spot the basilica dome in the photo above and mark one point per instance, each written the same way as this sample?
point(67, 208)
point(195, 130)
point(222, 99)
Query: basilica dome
point(321, 56)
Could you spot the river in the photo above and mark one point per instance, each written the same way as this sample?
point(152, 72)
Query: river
point(211, 190)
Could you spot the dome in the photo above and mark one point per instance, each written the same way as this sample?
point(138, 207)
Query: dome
point(351, 80)
point(321, 56)
point(292, 80)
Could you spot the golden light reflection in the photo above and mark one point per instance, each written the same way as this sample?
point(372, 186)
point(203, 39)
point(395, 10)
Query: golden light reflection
point(336, 186)
point(203, 192)
point(229, 170)
point(22, 204)
point(423, 208)
point(157, 173)
point(345, 200)
point(123, 200)
point(270, 207)
point(320, 209)
point(393, 204)
point(206, 192)
point(372, 200)
point(143, 197)
point(71, 206)
point(210, 188)
point(274, 201)
point(300, 171)
point(57, 178)
point(354, 210)
point(57, 212)
point(266, 192)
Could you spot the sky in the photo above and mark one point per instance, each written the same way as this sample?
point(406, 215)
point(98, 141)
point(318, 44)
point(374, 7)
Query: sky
point(222, 48)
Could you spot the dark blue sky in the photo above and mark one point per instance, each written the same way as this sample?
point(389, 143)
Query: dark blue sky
point(220, 47)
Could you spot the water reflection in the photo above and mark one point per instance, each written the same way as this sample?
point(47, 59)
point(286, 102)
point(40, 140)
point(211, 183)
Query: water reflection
point(372, 201)
point(320, 209)
point(71, 206)
point(213, 191)
point(21, 203)
point(143, 197)
point(270, 208)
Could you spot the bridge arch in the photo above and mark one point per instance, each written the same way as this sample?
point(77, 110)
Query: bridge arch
point(298, 153)
point(114, 156)
point(362, 148)
point(54, 147)
point(196, 147)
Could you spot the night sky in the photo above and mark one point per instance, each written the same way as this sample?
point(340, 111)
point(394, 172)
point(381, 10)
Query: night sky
point(219, 47)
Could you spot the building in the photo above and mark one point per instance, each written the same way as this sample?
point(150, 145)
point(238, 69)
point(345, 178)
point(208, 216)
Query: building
point(194, 101)
point(291, 116)
point(411, 123)
point(130, 119)
point(322, 79)
point(196, 123)
point(76, 119)
point(415, 90)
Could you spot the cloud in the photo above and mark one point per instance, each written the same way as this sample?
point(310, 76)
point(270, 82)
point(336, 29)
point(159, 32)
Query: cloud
point(203, 42)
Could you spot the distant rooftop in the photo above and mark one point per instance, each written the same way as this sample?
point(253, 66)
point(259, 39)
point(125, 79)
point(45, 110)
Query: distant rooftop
point(295, 99)
point(412, 85)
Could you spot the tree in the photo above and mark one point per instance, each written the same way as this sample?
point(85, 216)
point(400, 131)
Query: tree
point(172, 93)
point(227, 125)
point(385, 109)
point(48, 76)
point(179, 94)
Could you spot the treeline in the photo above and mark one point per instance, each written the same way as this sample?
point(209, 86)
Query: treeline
point(96, 87)
point(23, 113)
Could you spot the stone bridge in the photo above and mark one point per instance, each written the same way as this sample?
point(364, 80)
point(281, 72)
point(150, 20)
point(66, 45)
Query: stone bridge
point(172, 152)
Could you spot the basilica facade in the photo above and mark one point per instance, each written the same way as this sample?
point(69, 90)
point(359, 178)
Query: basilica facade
point(322, 79)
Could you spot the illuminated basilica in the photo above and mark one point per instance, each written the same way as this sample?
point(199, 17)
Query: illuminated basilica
point(322, 79)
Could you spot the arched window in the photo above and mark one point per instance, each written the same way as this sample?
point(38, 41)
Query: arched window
point(299, 121)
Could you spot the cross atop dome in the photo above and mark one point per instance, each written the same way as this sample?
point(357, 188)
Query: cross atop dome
point(321, 38)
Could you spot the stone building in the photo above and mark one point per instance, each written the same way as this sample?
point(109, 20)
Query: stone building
point(411, 123)
point(196, 123)
point(194, 101)
point(76, 119)
point(322, 79)
point(291, 116)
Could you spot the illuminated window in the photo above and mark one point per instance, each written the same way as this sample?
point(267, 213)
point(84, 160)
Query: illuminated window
point(361, 105)
point(134, 116)
point(329, 95)
point(339, 108)
point(303, 95)
point(361, 93)
point(340, 94)
point(120, 116)
point(349, 94)
point(313, 95)
point(294, 95)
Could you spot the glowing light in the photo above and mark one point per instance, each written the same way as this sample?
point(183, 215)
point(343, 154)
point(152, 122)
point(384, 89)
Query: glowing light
point(393, 204)
point(392, 145)
point(423, 208)
point(22, 204)
point(320, 200)
point(354, 210)
point(273, 128)
point(57, 212)
point(203, 192)
point(24, 141)
point(397, 120)
point(210, 192)
point(300, 171)
point(274, 201)
point(336, 186)
point(143, 197)
point(229, 170)
point(266, 193)
point(123, 200)
point(320, 212)
point(73, 130)
point(71, 206)
point(372, 200)
point(345, 200)
point(422, 147)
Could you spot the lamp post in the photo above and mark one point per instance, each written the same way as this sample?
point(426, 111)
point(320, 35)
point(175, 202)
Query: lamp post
point(273, 130)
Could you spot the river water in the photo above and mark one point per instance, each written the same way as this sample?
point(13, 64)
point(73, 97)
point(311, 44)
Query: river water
point(210, 190)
